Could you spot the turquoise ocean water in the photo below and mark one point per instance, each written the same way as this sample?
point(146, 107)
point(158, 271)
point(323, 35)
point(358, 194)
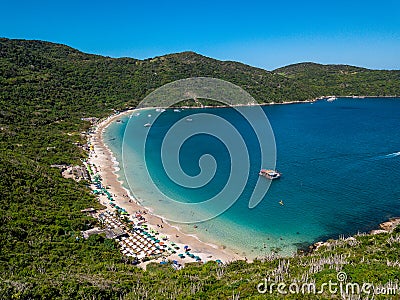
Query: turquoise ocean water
point(340, 163)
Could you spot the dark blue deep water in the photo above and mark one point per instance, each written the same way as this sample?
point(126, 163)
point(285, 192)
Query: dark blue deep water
point(340, 163)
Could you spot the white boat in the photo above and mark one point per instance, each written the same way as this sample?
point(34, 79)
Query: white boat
point(270, 174)
point(147, 125)
point(176, 110)
point(149, 115)
point(189, 119)
point(331, 99)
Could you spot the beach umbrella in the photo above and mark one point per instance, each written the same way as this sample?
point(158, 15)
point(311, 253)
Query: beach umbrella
point(181, 255)
point(218, 261)
point(185, 247)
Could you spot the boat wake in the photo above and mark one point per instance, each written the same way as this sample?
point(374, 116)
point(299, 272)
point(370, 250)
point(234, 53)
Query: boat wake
point(391, 155)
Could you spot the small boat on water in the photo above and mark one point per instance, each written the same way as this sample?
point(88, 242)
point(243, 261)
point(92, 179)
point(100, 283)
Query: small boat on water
point(176, 110)
point(331, 99)
point(147, 125)
point(270, 174)
point(189, 119)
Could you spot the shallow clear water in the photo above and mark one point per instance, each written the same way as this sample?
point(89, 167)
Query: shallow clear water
point(340, 163)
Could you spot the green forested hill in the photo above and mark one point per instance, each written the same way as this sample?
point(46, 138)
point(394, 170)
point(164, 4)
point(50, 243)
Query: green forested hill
point(54, 77)
point(46, 88)
point(343, 80)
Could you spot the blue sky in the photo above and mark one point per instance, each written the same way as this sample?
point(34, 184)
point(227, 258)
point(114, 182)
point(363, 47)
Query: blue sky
point(266, 34)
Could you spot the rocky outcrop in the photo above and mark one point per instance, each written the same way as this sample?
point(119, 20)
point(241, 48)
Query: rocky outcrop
point(384, 227)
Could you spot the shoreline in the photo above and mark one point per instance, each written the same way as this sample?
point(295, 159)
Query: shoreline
point(109, 166)
point(384, 227)
point(277, 103)
point(103, 158)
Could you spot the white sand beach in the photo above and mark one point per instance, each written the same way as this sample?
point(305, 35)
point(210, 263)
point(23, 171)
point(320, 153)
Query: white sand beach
point(103, 159)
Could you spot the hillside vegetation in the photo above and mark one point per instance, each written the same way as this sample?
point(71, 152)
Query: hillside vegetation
point(343, 80)
point(45, 90)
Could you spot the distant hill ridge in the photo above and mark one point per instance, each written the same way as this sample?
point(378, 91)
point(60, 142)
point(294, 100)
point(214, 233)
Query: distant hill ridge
point(106, 82)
